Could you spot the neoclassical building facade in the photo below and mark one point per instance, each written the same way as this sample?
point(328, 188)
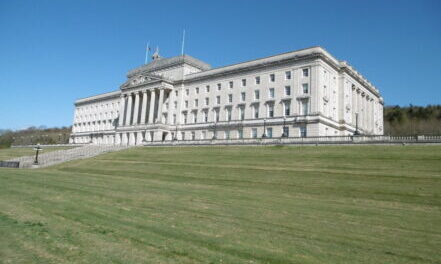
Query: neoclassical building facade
point(304, 93)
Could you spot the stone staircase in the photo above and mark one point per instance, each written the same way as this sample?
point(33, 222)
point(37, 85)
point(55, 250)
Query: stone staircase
point(60, 156)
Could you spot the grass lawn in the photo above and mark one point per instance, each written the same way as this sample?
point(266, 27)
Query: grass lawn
point(10, 153)
point(326, 204)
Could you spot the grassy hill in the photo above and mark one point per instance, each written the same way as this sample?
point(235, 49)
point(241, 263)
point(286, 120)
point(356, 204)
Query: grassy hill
point(327, 204)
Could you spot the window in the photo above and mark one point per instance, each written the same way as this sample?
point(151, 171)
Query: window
point(203, 134)
point(287, 110)
point(218, 99)
point(207, 101)
point(256, 111)
point(272, 77)
point(227, 134)
point(269, 132)
point(176, 93)
point(285, 131)
point(228, 113)
point(185, 117)
point(197, 90)
point(230, 98)
point(257, 79)
point(207, 88)
point(193, 136)
point(183, 135)
point(216, 115)
point(241, 113)
point(242, 96)
point(195, 117)
point(305, 107)
point(187, 91)
point(288, 75)
point(303, 132)
point(305, 72)
point(270, 110)
point(175, 104)
point(196, 102)
point(271, 93)
point(205, 116)
point(244, 82)
point(254, 132)
point(219, 86)
point(240, 133)
point(287, 90)
point(186, 104)
point(231, 85)
point(174, 118)
point(305, 87)
point(256, 95)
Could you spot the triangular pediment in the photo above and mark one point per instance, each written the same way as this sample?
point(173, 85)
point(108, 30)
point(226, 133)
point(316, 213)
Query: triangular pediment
point(144, 79)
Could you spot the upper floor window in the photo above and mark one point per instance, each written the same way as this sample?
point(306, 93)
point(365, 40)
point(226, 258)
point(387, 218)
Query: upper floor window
point(242, 97)
point(272, 77)
point(228, 112)
point(196, 102)
point(256, 111)
point(287, 90)
point(271, 93)
point(207, 88)
point(186, 104)
point(231, 84)
point(270, 110)
point(219, 86)
point(205, 116)
point(305, 72)
point(287, 108)
point(187, 91)
point(288, 75)
point(257, 79)
point(256, 95)
point(218, 99)
point(207, 101)
point(244, 82)
point(230, 98)
point(305, 88)
point(197, 90)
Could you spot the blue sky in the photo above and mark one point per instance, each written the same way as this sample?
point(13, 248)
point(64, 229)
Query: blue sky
point(53, 52)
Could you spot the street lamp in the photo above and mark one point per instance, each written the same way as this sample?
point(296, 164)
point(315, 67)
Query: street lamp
point(176, 133)
point(264, 128)
point(37, 149)
point(356, 133)
point(284, 127)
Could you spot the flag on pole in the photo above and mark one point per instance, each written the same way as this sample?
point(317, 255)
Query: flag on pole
point(147, 52)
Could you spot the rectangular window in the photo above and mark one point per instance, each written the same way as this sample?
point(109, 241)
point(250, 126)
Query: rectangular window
point(219, 86)
point(287, 110)
point(240, 133)
point(303, 132)
point(269, 132)
point(186, 104)
point(175, 104)
point(218, 99)
point(207, 88)
point(270, 110)
point(174, 119)
point(207, 101)
point(241, 113)
point(205, 116)
point(242, 96)
point(197, 90)
point(230, 98)
point(254, 132)
point(257, 79)
point(183, 135)
point(271, 93)
point(216, 115)
point(256, 95)
point(203, 134)
point(244, 82)
point(305, 87)
point(305, 72)
point(228, 113)
point(193, 135)
point(256, 111)
point(195, 117)
point(272, 77)
point(285, 131)
point(231, 85)
point(287, 90)
point(185, 118)
point(196, 102)
point(288, 75)
point(305, 107)
point(227, 134)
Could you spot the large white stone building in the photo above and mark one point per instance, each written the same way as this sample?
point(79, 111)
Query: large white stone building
point(304, 93)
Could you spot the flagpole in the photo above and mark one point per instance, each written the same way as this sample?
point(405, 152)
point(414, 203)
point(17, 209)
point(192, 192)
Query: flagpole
point(147, 53)
point(183, 43)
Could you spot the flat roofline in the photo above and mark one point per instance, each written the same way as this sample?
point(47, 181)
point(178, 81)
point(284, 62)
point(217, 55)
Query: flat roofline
point(98, 96)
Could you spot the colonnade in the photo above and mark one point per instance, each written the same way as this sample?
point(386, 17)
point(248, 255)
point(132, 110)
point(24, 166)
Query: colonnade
point(142, 107)
point(363, 104)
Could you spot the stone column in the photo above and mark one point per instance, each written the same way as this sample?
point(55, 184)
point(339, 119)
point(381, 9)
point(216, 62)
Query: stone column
point(121, 110)
point(143, 107)
point(136, 110)
point(171, 106)
point(161, 98)
point(152, 107)
point(129, 110)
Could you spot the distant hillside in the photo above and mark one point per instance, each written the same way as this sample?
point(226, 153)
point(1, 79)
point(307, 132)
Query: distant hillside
point(35, 135)
point(412, 120)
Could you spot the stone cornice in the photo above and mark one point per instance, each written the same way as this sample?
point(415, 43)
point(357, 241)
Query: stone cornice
point(98, 98)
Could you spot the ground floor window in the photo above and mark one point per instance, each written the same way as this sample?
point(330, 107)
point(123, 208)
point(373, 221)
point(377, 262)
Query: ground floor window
point(193, 136)
point(285, 131)
point(254, 132)
point(240, 133)
point(269, 132)
point(227, 134)
point(303, 131)
point(183, 135)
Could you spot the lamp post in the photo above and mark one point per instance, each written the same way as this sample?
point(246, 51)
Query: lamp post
point(176, 134)
point(37, 149)
point(264, 128)
point(356, 133)
point(284, 127)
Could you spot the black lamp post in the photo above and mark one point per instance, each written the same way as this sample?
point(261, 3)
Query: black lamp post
point(356, 133)
point(284, 127)
point(37, 149)
point(176, 133)
point(264, 128)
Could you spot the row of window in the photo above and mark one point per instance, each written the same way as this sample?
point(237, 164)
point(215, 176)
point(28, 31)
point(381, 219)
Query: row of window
point(271, 95)
point(272, 78)
point(268, 133)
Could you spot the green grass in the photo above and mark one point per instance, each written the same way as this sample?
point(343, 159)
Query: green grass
point(351, 204)
point(10, 153)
